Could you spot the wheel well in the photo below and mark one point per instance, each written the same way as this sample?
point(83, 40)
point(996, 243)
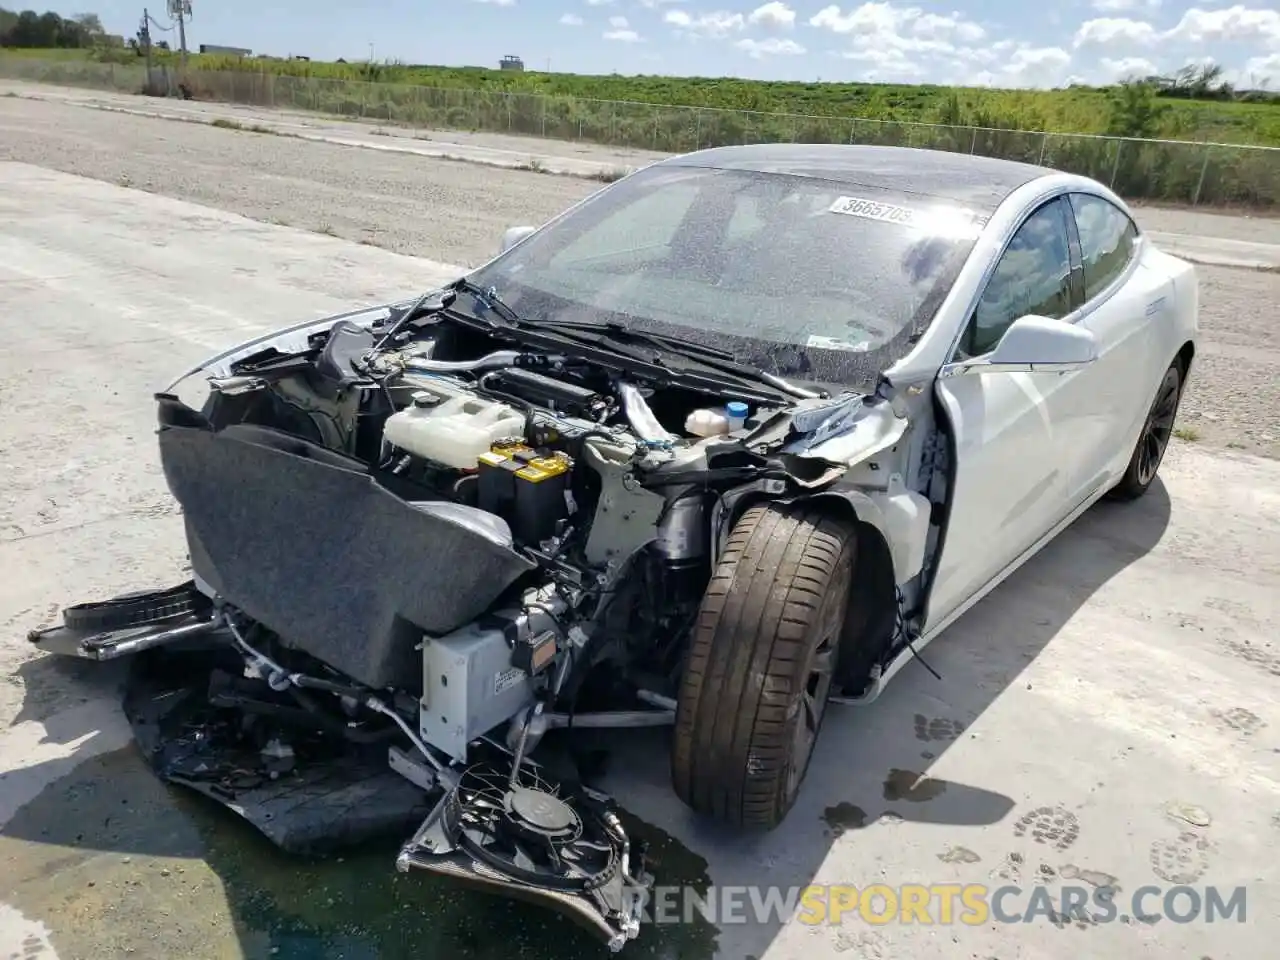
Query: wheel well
point(1185, 356)
point(873, 598)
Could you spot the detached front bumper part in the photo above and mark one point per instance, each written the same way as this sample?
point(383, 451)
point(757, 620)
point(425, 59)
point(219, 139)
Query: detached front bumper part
point(201, 724)
point(129, 624)
point(309, 544)
point(522, 839)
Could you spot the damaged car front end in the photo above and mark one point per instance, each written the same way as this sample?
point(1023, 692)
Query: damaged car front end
point(430, 541)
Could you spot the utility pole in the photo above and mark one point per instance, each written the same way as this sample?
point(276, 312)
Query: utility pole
point(144, 36)
point(180, 10)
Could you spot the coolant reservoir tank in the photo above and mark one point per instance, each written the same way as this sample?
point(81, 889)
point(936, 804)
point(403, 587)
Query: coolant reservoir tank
point(454, 432)
point(707, 423)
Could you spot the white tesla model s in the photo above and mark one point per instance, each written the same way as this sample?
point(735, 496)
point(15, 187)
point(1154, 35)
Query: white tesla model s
point(728, 439)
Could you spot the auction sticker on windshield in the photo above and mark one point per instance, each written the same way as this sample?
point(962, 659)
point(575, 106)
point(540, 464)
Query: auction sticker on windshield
point(872, 210)
point(947, 222)
point(816, 342)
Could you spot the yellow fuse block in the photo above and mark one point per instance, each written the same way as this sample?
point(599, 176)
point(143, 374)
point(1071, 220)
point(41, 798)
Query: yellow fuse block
point(539, 469)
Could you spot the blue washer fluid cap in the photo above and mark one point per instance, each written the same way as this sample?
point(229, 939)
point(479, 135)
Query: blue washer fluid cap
point(737, 410)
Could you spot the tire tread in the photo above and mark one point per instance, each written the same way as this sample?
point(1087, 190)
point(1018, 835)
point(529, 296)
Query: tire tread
point(733, 737)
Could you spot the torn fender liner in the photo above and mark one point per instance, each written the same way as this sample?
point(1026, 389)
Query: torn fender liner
point(307, 793)
point(304, 541)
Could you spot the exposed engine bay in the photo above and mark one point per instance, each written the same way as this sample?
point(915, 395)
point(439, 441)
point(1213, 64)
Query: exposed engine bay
point(423, 544)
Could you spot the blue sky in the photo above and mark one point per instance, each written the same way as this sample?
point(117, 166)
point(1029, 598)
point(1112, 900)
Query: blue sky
point(985, 42)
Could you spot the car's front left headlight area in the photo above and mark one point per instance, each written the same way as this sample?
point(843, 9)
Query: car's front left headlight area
point(193, 389)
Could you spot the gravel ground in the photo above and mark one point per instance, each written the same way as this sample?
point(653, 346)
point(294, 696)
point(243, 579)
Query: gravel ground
point(455, 212)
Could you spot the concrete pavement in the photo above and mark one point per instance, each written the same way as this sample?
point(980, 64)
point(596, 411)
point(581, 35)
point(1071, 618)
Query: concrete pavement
point(1219, 251)
point(1108, 716)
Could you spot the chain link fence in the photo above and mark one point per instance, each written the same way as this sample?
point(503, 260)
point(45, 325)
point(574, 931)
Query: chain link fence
point(1175, 171)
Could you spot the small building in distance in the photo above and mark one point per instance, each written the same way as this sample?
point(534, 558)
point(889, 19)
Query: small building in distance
point(228, 51)
point(510, 62)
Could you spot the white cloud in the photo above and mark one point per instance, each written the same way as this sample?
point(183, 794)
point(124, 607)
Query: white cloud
point(868, 18)
point(571, 20)
point(883, 19)
point(774, 15)
point(1038, 58)
point(654, 4)
point(718, 23)
point(1234, 24)
point(1126, 67)
point(497, 3)
point(876, 24)
point(1257, 69)
point(1029, 66)
point(904, 42)
point(1197, 27)
point(769, 47)
point(1120, 6)
point(599, 3)
point(621, 32)
point(954, 26)
point(1114, 31)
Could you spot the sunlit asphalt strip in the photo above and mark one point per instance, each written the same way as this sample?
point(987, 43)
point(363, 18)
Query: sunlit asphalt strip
point(1218, 252)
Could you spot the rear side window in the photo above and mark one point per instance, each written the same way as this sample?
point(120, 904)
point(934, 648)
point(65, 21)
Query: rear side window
point(1107, 239)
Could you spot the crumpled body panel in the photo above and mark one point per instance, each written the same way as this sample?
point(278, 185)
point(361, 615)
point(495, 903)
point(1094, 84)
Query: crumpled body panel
point(308, 544)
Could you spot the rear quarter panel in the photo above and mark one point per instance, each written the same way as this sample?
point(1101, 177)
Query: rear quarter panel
point(1177, 322)
point(1170, 291)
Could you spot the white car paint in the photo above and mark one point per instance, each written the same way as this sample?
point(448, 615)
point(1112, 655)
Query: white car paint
point(1034, 450)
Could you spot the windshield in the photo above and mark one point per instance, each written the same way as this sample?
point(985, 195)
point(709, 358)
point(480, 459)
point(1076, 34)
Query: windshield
point(806, 278)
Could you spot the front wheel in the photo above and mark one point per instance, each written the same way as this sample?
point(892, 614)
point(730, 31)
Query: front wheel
point(1149, 452)
point(760, 664)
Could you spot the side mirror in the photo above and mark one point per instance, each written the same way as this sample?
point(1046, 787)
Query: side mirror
point(1035, 344)
point(514, 235)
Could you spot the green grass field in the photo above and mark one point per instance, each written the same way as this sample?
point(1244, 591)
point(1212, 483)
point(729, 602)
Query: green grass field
point(677, 114)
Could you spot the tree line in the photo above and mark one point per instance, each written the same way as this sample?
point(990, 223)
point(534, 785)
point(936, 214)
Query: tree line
point(31, 30)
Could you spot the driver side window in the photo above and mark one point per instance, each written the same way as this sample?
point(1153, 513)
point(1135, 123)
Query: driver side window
point(1032, 276)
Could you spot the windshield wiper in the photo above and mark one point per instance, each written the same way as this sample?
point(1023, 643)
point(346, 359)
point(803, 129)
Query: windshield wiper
point(612, 328)
point(710, 357)
point(594, 331)
point(487, 298)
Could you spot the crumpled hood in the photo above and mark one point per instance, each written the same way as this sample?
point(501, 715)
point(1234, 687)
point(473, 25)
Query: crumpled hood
point(307, 543)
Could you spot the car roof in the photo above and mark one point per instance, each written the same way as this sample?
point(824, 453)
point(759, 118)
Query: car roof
point(977, 182)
